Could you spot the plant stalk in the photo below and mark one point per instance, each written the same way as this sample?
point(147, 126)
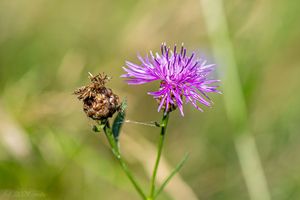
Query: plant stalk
point(163, 125)
point(116, 152)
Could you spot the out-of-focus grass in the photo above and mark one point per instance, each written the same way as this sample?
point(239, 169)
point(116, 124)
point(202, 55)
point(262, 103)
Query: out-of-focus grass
point(47, 48)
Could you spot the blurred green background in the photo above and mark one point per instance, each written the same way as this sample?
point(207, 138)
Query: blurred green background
point(47, 147)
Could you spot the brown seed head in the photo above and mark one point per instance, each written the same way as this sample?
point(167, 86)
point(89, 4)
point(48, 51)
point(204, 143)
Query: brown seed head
point(99, 102)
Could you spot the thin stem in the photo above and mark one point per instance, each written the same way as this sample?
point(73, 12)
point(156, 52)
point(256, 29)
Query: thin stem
point(163, 125)
point(131, 178)
point(116, 152)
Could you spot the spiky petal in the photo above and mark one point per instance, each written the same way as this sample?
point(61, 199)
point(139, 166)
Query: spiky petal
point(181, 76)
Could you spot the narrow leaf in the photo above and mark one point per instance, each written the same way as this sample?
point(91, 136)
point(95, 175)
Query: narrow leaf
point(98, 127)
point(175, 170)
point(119, 120)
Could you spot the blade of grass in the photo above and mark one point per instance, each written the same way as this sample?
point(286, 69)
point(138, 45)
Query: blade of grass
point(235, 104)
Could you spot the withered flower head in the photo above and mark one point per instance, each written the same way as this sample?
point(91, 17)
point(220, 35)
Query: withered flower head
point(99, 102)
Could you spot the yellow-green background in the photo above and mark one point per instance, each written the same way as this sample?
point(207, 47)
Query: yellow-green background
point(47, 47)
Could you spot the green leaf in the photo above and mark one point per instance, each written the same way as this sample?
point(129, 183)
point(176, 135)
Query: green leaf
point(119, 120)
point(100, 126)
point(175, 170)
point(96, 129)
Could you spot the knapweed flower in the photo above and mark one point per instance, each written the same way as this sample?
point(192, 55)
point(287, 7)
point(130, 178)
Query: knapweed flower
point(180, 76)
point(99, 102)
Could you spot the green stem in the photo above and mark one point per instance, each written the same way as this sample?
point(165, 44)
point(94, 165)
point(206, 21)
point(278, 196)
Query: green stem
point(116, 152)
point(163, 125)
point(131, 178)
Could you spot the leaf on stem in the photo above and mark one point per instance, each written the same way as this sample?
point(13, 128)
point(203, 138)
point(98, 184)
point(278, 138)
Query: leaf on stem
point(175, 170)
point(119, 120)
point(98, 128)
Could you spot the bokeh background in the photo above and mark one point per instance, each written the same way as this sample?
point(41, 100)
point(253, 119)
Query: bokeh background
point(47, 147)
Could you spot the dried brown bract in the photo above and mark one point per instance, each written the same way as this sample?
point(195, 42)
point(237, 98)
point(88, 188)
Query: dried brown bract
point(99, 102)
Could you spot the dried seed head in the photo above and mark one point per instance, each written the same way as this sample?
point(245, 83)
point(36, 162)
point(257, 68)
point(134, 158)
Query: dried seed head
point(99, 102)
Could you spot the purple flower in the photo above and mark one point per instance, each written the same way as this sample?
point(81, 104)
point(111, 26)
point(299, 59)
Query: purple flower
point(180, 76)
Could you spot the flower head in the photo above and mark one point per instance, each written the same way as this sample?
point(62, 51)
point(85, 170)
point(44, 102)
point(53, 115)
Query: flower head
point(181, 76)
point(99, 102)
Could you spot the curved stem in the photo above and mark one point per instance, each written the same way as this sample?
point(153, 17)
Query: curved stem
point(163, 125)
point(116, 152)
point(131, 178)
